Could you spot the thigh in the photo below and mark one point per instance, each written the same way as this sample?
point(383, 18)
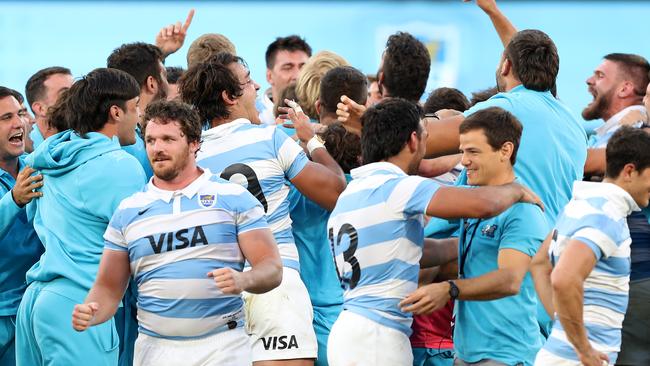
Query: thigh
point(60, 344)
point(280, 321)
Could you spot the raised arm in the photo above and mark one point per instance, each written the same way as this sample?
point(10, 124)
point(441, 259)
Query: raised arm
point(171, 38)
point(479, 202)
point(501, 23)
point(443, 137)
point(107, 291)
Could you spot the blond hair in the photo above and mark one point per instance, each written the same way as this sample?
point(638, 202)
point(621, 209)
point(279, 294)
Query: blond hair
point(207, 46)
point(308, 84)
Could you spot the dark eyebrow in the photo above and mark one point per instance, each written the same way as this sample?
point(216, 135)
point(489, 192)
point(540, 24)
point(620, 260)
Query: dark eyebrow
point(8, 114)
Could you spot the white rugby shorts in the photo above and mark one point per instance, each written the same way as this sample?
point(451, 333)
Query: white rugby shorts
point(280, 321)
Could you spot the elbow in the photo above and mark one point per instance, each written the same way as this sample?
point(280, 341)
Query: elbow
point(560, 283)
point(511, 284)
point(275, 277)
point(489, 208)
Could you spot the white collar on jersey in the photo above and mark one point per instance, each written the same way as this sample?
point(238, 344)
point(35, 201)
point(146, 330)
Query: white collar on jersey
point(620, 200)
point(372, 168)
point(189, 191)
point(613, 122)
point(224, 129)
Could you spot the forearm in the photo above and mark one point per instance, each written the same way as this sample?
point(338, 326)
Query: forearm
point(541, 274)
point(494, 285)
point(505, 29)
point(264, 276)
point(493, 200)
point(438, 251)
point(108, 301)
point(322, 157)
point(438, 166)
point(568, 302)
point(596, 162)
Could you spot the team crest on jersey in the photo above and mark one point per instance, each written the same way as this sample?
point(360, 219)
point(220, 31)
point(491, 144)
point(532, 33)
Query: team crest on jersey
point(207, 200)
point(489, 230)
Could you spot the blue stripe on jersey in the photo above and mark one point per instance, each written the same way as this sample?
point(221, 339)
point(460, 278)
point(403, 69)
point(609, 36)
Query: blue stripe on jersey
point(394, 269)
point(109, 245)
point(373, 313)
point(610, 337)
point(615, 301)
point(142, 329)
point(566, 350)
point(614, 229)
point(189, 308)
point(129, 216)
point(187, 269)
point(411, 230)
point(216, 234)
point(283, 236)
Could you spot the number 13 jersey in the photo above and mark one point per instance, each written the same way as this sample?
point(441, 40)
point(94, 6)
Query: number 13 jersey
point(262, 159)
point(376, 234)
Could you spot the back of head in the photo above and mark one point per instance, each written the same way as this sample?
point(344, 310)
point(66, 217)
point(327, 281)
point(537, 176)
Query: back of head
point(446, 98)
point(35, 87)
point(207, 46)
point(139, 59)
point(203, 84)
point(483, 95)
point(308, 84)
point(85, 106)
point(634, 68)
point(628, 145)
point(343, 146)
point(339, 81)
point(163, 112)
point(406, 66)
point(498, 125)
point(174, 73)
point(534, 58)
point(387, 127)
point(290, 43)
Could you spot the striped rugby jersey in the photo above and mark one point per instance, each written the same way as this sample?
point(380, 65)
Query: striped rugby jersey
point(376, 233)
point(596, 216)
point(174, 238)
point(262, 159)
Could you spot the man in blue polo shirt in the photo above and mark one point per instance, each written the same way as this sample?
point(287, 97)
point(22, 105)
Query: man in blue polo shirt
point(21, 247)
point(495, 312)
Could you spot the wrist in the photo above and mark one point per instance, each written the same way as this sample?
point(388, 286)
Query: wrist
point(453, 291)
point(315, 143)
point(16, 202)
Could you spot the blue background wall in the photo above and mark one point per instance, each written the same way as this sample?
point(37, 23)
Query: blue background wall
point(465, 49)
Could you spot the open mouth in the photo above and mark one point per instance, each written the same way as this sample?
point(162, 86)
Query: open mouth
point(16, 138)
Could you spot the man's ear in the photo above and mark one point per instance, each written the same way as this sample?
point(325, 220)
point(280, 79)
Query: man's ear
point(506, 67)
point(317, 106)
point(151, 85)
point(228, 98)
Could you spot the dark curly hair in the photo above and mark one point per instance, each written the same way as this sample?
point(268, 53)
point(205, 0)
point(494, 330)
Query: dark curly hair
point(387, 127)
point(202, 86)
point(406, 67)
point(344, 146)
point(174, 111)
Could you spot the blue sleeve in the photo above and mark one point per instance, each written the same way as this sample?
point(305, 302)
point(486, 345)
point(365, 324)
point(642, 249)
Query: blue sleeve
point(524, 229)
point(114, 236)
point(9, 211)
point(498, 100)
point(290, 155)
point(119, 178)
point(414, 194)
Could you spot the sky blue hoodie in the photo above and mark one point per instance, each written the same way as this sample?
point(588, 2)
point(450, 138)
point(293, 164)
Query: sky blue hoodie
point(19, 244)
point(84, 181)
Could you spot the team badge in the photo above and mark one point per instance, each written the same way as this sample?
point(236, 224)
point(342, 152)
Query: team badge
point(207, 200)
point(489, 230)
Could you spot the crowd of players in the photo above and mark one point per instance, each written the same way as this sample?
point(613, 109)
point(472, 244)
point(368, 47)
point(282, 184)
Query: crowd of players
point(156, 215)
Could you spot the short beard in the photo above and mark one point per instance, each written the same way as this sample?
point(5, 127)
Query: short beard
point(597, 108)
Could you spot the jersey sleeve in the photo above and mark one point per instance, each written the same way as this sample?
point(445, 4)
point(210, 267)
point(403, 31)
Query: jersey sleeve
point(496, 101)
point(602, 234)
point(524, 229)
point(249, 213)
point(290, 155)
point(412, 195)
point(114, 236)
point(9, 211)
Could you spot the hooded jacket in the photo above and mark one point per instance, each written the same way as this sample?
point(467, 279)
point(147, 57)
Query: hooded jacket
point(85, 179)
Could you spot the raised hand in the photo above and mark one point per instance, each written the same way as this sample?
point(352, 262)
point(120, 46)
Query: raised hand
point(23, 192)
point(349, 114)
point(83, 314)
point(171, 38)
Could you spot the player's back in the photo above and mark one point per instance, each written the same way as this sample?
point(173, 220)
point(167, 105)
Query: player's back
point(376, 232)
point(262, 159)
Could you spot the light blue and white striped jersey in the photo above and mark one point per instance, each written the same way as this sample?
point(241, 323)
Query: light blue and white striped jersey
point(596, 216)
point(174, 238)
point(376, 233)
point(262, 159)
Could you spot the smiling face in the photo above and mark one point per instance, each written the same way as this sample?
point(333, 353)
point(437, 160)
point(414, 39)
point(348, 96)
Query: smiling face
point(483, 163)
point(246, 102)
point(168, 149)
point(12, 128)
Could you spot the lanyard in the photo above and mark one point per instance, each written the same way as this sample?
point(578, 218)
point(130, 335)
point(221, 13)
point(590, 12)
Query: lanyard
point(466, 248)
point(6, 185)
